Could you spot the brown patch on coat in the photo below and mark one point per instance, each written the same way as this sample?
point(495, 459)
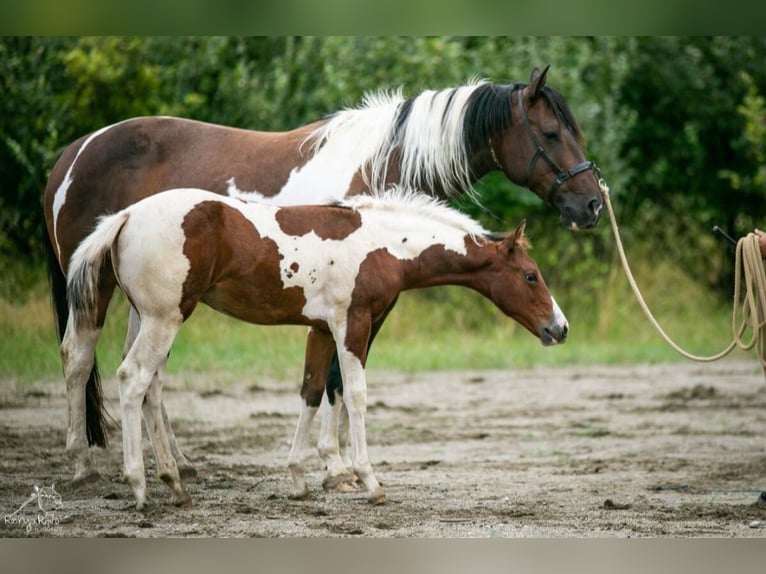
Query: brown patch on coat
point(327, 223)
point(234, 270)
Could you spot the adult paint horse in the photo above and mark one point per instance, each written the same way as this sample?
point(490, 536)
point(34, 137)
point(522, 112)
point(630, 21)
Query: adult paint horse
point(336, 269)
point(437, 141)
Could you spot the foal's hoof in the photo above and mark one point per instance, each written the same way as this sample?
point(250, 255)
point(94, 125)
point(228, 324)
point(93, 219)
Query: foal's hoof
point(377, 498)
point(340, 483)
point(301, 495)
point(86, 480)
point(145, 507)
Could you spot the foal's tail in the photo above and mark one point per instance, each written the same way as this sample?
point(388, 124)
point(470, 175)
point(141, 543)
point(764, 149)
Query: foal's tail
point(80, 289)
point(85, 268)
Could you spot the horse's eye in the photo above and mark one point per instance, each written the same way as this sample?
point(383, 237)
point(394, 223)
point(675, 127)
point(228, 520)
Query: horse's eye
point(530, 277)
point(551, 136)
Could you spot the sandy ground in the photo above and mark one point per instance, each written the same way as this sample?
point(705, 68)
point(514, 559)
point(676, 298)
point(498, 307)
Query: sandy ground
point(641, 451)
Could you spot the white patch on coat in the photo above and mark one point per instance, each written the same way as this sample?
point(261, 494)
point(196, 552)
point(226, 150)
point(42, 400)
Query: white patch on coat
point(429, 141)
point(59, 198)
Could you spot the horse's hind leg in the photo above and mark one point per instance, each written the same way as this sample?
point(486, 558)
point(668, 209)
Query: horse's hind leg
point(167, 468)
point(185, 468)
point(77, 355)
point(338, 476)
point(136, 373)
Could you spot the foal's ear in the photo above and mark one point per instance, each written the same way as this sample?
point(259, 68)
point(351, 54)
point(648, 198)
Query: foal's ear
point(516, 237)
point(537, 82)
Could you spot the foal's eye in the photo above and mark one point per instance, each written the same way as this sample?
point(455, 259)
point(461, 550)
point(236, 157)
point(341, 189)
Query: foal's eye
point(530, 277)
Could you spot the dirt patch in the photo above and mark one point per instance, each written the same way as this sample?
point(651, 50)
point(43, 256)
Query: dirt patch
point(669, 450)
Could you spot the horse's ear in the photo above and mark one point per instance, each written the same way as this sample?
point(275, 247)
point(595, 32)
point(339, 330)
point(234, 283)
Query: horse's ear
point(537, 82)
point(516, 237)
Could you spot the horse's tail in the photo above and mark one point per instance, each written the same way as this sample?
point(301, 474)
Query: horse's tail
point(81, 292)
point(95, 414)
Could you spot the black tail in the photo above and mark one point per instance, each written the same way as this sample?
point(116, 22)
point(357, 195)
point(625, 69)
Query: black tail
point(95, 414)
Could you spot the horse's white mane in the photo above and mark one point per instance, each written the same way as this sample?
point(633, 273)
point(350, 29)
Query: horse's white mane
point(429, 140)
point(407, 200)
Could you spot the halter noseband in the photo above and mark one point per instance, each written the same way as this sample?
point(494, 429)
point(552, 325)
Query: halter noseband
point(561, 175)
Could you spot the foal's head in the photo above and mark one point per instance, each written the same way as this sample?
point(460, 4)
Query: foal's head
point(517, 287)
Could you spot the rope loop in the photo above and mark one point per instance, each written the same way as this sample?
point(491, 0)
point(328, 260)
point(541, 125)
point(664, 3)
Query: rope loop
point(749, 310)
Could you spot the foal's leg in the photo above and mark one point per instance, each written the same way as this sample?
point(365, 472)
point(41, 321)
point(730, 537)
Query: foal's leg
point(167, 468)
point(78, 349)
point(185, 468)
point(352, 348)
point(319, 349)
point(148, 353)
point(339, 432)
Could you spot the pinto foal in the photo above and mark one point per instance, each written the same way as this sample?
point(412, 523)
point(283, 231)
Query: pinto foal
point(335, 269)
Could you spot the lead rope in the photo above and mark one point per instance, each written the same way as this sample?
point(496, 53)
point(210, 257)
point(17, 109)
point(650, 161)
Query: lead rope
point(752, 308)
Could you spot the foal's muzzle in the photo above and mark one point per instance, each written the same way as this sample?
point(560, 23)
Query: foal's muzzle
point(554, 334)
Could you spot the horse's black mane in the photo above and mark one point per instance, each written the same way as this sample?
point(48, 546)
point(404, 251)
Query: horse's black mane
point(488, 113)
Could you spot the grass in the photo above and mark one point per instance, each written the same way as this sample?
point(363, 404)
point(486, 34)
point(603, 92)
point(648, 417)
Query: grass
point(439, 329)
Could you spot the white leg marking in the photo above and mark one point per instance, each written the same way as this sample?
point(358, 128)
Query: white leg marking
point(167, 469)
point(336, 472)
point(355, 398)
point(300, 451)
point(136, 373)
point(186, 467)
point(77, 349)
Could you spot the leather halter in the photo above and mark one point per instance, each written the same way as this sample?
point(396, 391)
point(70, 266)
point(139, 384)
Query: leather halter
point(561, 175)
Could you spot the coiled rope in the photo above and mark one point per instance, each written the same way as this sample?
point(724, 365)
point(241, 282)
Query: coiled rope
point(748, 312)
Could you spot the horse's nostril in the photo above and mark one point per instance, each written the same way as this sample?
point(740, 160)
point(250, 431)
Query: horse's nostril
point(595, 205)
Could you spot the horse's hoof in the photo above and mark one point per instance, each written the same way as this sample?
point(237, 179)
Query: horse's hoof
point(377, 498)
point(761, 498)
point(181, 501)
point(187, 473)
point(86, 480)
point(340, 483)
point(304, 495)
point(145, 507)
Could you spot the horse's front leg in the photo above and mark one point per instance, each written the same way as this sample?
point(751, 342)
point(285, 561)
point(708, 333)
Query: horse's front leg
point(185, 468)
point(352, 354)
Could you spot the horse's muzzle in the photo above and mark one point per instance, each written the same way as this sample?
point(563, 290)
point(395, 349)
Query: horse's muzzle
point(582, 218)
point(554, 334)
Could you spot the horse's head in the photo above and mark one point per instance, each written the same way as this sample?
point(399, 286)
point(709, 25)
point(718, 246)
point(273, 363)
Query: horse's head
point(548, 131)
point(517, 287)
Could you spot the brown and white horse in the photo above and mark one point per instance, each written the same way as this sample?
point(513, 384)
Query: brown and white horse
point(334, 268)
point(437, 141)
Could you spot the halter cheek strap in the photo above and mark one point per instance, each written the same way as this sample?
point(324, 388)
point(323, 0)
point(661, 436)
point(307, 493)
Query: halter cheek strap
point(561, 175)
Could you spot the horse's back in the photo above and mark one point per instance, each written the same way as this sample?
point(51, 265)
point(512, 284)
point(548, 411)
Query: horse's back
point(120, 164)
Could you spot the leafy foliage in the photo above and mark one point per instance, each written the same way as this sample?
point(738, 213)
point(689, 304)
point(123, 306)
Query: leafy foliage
point(677, 125)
